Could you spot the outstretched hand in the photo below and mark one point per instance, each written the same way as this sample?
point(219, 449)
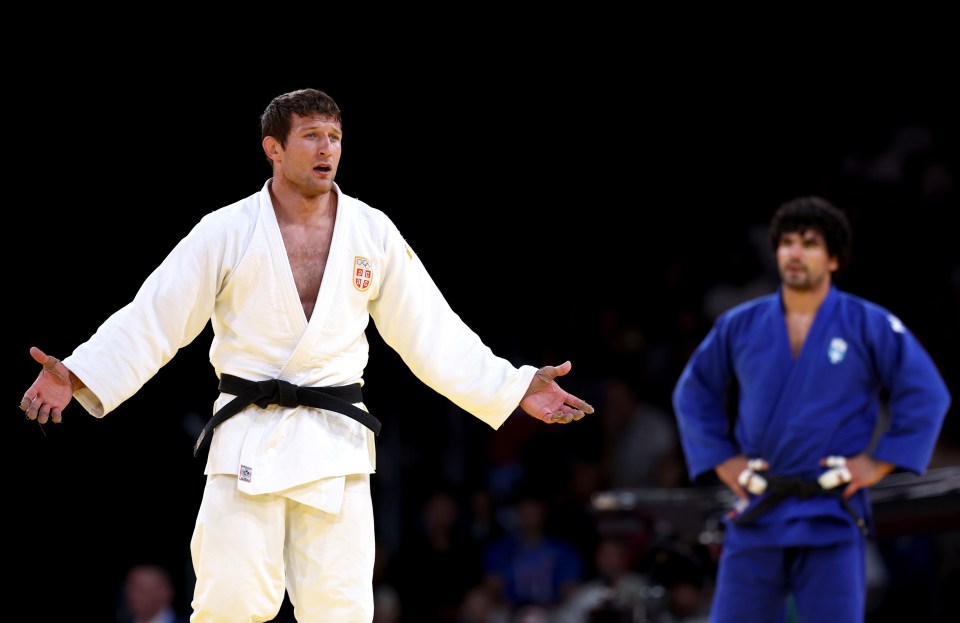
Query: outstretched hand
point(547, 401)
point(51, 392)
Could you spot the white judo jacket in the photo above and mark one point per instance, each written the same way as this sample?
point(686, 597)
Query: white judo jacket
point(232, 270)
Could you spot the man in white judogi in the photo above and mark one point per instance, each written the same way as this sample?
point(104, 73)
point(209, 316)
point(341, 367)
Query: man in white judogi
point(289, 278)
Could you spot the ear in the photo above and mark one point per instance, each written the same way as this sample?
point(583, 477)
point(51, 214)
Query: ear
point(272, 148)
point(833, 264)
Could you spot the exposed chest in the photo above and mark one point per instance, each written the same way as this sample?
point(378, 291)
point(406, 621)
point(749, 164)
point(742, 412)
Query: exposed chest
point(307, 252)
point(798, 327)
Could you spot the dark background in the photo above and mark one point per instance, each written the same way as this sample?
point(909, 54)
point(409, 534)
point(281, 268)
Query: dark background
point(551, 201)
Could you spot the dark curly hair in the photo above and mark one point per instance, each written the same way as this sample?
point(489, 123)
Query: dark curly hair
point(816, 213)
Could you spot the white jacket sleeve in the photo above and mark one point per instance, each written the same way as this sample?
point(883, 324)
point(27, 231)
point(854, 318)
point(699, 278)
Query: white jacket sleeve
point(414, 319)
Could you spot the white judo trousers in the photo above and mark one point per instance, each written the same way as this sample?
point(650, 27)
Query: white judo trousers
point(267, 543)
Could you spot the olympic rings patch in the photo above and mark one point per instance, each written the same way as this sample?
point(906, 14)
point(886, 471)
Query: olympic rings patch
point(362, 273)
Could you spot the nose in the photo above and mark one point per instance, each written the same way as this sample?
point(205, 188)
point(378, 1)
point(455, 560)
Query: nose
point(794, 248)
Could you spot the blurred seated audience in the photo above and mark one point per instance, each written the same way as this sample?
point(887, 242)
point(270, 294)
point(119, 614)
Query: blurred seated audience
point(148, 596)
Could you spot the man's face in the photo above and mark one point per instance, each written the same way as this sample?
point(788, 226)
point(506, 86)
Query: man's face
point(803, 260)
point(312, 153)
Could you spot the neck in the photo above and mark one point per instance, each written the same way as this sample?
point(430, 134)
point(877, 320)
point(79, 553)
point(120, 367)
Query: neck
point(805, 301)
point(292, 206)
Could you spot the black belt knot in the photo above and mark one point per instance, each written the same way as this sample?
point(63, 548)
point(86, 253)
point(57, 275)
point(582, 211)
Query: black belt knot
point(803, 489)
point(277, 392)
point(779, 488)
point(341, 399)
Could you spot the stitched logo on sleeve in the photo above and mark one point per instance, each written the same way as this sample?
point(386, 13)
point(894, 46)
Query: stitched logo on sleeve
point(837, 350)
point(246, 473)
point(895, 324)
point(362, 273)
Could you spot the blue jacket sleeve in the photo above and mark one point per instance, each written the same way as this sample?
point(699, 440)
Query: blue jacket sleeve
point(918, 398)
point(699, 402)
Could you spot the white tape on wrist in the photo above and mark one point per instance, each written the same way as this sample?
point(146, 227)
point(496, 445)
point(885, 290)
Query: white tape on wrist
point(754, 483)
point(834, 477)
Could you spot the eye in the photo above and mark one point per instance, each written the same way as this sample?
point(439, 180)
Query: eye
point(813, 242)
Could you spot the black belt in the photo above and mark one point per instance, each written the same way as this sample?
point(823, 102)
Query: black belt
point(277, 392)
point(778, 488)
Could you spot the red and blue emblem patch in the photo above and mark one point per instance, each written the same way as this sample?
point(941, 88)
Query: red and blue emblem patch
point(362, 273)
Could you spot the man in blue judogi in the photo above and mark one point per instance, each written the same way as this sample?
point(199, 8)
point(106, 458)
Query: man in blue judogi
point(833, 392)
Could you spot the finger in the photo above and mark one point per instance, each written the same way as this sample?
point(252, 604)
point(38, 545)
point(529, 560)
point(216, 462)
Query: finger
point(547, 375)
point(32, 406)
point(755, 483)
point(582, 406)
point(850, 489)
point(751, 481)
point(834, 461)
point(834, 477)
point(577, 403)
point(43, 412)
point(25, 403)
point(50, 363)
point(38, 355)
point(741, 494)
point(550, 373)
point(567, 416)
point(740, 503)
point(56, 416)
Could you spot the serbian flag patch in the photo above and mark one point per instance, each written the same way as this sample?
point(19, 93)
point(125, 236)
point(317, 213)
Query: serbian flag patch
point(362, 273)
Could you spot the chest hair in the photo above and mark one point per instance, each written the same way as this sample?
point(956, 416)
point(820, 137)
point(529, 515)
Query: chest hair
point(307, 251)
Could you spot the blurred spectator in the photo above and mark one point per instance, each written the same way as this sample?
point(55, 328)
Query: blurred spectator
point(615, 593)
point(437, 561)
point(685, 572)
point(480, 606)
point(527, 566)
point(148, 596)
point(913, 564)
point(743, 272)
point(571, 517)
point(482, 524)
point(386, 598)
point(640, 437)
point(947, 605)
point(532, 613)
